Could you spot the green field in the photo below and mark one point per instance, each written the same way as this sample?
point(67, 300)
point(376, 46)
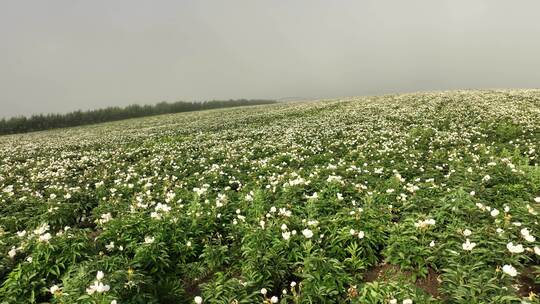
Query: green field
point(414, 198)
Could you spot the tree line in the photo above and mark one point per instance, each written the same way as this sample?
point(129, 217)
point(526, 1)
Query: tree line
point(22, 124)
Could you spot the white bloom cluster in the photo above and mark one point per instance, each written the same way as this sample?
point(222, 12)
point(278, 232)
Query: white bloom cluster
point(359, 234)
point(510, 270)
point(42, 234)
point(98, 286)
point(307, 233)
point(159, 210)
point(526, 234)
point(149, 239)
point(468, 246)
point(515, 248)
point(424, 223)
point(105, 218)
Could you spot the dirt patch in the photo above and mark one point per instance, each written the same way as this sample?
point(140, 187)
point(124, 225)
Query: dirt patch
point(385, 272)
point(192, 288)
point(379, 271)
point(430, 283)
point(94, 234)
point(527, 283)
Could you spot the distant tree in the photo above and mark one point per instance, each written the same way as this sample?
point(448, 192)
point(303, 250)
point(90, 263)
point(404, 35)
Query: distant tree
point(37, 122)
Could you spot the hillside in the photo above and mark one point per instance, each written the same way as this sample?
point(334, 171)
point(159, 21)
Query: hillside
point(428, 197)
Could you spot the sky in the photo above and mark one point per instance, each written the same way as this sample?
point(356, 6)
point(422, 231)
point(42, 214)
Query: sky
point(65, 55)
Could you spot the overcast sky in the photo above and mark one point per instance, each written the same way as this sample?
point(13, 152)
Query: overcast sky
point(63, 55)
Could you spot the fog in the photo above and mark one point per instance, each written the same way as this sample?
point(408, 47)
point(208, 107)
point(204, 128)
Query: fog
point(64, 55)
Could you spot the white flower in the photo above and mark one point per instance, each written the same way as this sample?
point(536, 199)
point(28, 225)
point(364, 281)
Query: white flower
point(102, 288)
point(21, 233)
point(499, 230)
point(509, 270)
point(12, 252)
point(110, 247)
point(54, 289)
point(361, 234)
point(307, 233)
point(393, 301)
point(100, 275)
point(468, 246)
point(286, 235)
point(313, 223)
point(314, 196)
point(537, 199)
point(352, 232)
point(424, 223)
point(200, 191)
point(113, 302)
point(537, 250)
point(515, 248)
point(407, 301)
point(293, 283)
point(283, 227)
point(432, 244)
point(527, 235)
point(149, 239)
point(45, 237)
point(198, 300)
point(274, 299)
point(41, 229)
point(163, 208)
point(264, 291)
point(105, 218)
point(98, 287)
point(494, 212)
point(467, 232)
point(285, 212)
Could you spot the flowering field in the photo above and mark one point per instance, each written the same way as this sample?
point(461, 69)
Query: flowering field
point(417, 198)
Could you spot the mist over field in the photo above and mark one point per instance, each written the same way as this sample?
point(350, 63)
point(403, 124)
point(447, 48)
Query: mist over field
point(66, 55)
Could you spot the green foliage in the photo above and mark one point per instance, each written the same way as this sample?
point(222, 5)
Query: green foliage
point(289, 202)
